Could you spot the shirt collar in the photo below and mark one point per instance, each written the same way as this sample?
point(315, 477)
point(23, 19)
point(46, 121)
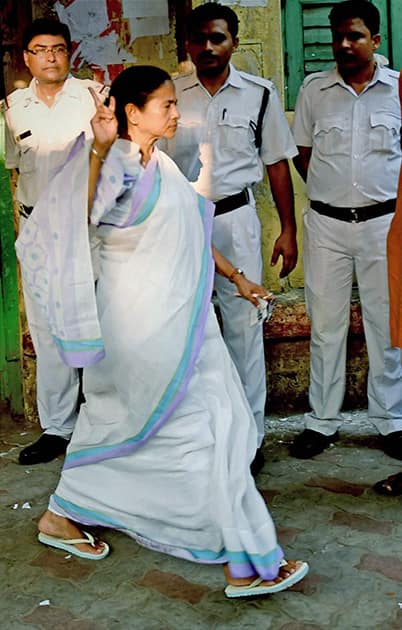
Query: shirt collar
point(381, 75)
point(70, 87)
point(234, 79)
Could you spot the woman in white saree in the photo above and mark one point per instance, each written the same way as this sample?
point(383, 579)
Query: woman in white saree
point(164, 441)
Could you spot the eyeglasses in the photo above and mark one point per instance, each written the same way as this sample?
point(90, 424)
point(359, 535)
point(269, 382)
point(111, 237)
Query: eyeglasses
point(60, 50)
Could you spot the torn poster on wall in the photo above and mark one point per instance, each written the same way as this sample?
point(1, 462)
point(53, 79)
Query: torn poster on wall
point(101, 29)
point(146, 17)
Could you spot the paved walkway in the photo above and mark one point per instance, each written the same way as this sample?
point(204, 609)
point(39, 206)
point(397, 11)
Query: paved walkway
point(325, 511)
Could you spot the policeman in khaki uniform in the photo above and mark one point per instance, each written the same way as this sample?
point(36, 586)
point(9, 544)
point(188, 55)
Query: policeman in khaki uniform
point(347, 128)
point(223, 141)
point(42, 122)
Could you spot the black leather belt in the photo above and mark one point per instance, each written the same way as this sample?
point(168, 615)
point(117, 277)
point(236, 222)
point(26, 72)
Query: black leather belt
point(355, 215)
point(231, 203)
point(25, 211)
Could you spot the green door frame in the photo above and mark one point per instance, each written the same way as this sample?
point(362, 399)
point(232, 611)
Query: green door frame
point(10, 346)
point(395, 20)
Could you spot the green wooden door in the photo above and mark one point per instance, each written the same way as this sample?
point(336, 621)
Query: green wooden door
point(307, 39)
point(10, 365)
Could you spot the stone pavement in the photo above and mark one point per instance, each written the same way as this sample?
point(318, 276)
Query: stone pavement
point(325, 511)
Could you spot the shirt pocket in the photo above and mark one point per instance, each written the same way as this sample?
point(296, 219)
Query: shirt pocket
point(235, 134)
point(384, 132)
point(331, 136)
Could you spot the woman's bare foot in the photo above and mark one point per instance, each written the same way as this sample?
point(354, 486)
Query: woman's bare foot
point(60, 527)
point(284, 572)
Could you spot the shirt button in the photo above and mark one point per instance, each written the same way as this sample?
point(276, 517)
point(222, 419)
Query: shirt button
point(354, 183)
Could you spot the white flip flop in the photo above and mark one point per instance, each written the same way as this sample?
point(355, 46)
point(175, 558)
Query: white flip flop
point(256, 587)
point(69, 545)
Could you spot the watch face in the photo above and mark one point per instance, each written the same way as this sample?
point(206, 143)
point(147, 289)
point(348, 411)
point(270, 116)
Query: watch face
point(236, 272)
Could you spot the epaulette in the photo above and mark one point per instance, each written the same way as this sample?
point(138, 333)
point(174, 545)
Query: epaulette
point(184, 76)
point(315, 76)
point(100, 88)
point(393, 73)
point(181, 75)
point(265, 83)
point(15, 97)
point(186, 68)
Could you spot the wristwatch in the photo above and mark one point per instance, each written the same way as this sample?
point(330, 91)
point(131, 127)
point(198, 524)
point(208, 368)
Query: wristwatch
point(236, 272)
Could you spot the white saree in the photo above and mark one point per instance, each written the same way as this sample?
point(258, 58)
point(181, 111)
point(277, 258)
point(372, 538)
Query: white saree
point(163, 444)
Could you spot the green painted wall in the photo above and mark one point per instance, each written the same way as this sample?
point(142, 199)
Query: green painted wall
point(10, 367)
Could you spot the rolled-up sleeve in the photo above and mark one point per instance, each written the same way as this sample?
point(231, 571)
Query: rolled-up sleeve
point(302, 124)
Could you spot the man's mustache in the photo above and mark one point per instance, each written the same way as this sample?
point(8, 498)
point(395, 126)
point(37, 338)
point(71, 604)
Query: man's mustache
point(344, 56)
point(206, 56)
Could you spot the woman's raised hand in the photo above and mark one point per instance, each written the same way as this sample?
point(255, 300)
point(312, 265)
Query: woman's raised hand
point(103, 123)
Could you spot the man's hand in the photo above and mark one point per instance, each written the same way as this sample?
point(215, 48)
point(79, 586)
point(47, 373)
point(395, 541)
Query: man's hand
point(285, 246)
point(282, 192)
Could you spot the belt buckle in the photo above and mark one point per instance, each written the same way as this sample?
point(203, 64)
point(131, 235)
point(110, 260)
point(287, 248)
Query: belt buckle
point(355, 218)
point(247, 195)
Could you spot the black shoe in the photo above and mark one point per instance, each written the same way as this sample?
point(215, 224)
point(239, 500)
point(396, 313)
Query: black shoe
point(392, 444)
point(310, 443)
point(391, 486)
point(257, 463)
point(45, 449)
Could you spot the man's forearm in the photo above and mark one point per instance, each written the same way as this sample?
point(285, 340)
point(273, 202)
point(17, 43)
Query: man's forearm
point(282, 193)
point(302, 161)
